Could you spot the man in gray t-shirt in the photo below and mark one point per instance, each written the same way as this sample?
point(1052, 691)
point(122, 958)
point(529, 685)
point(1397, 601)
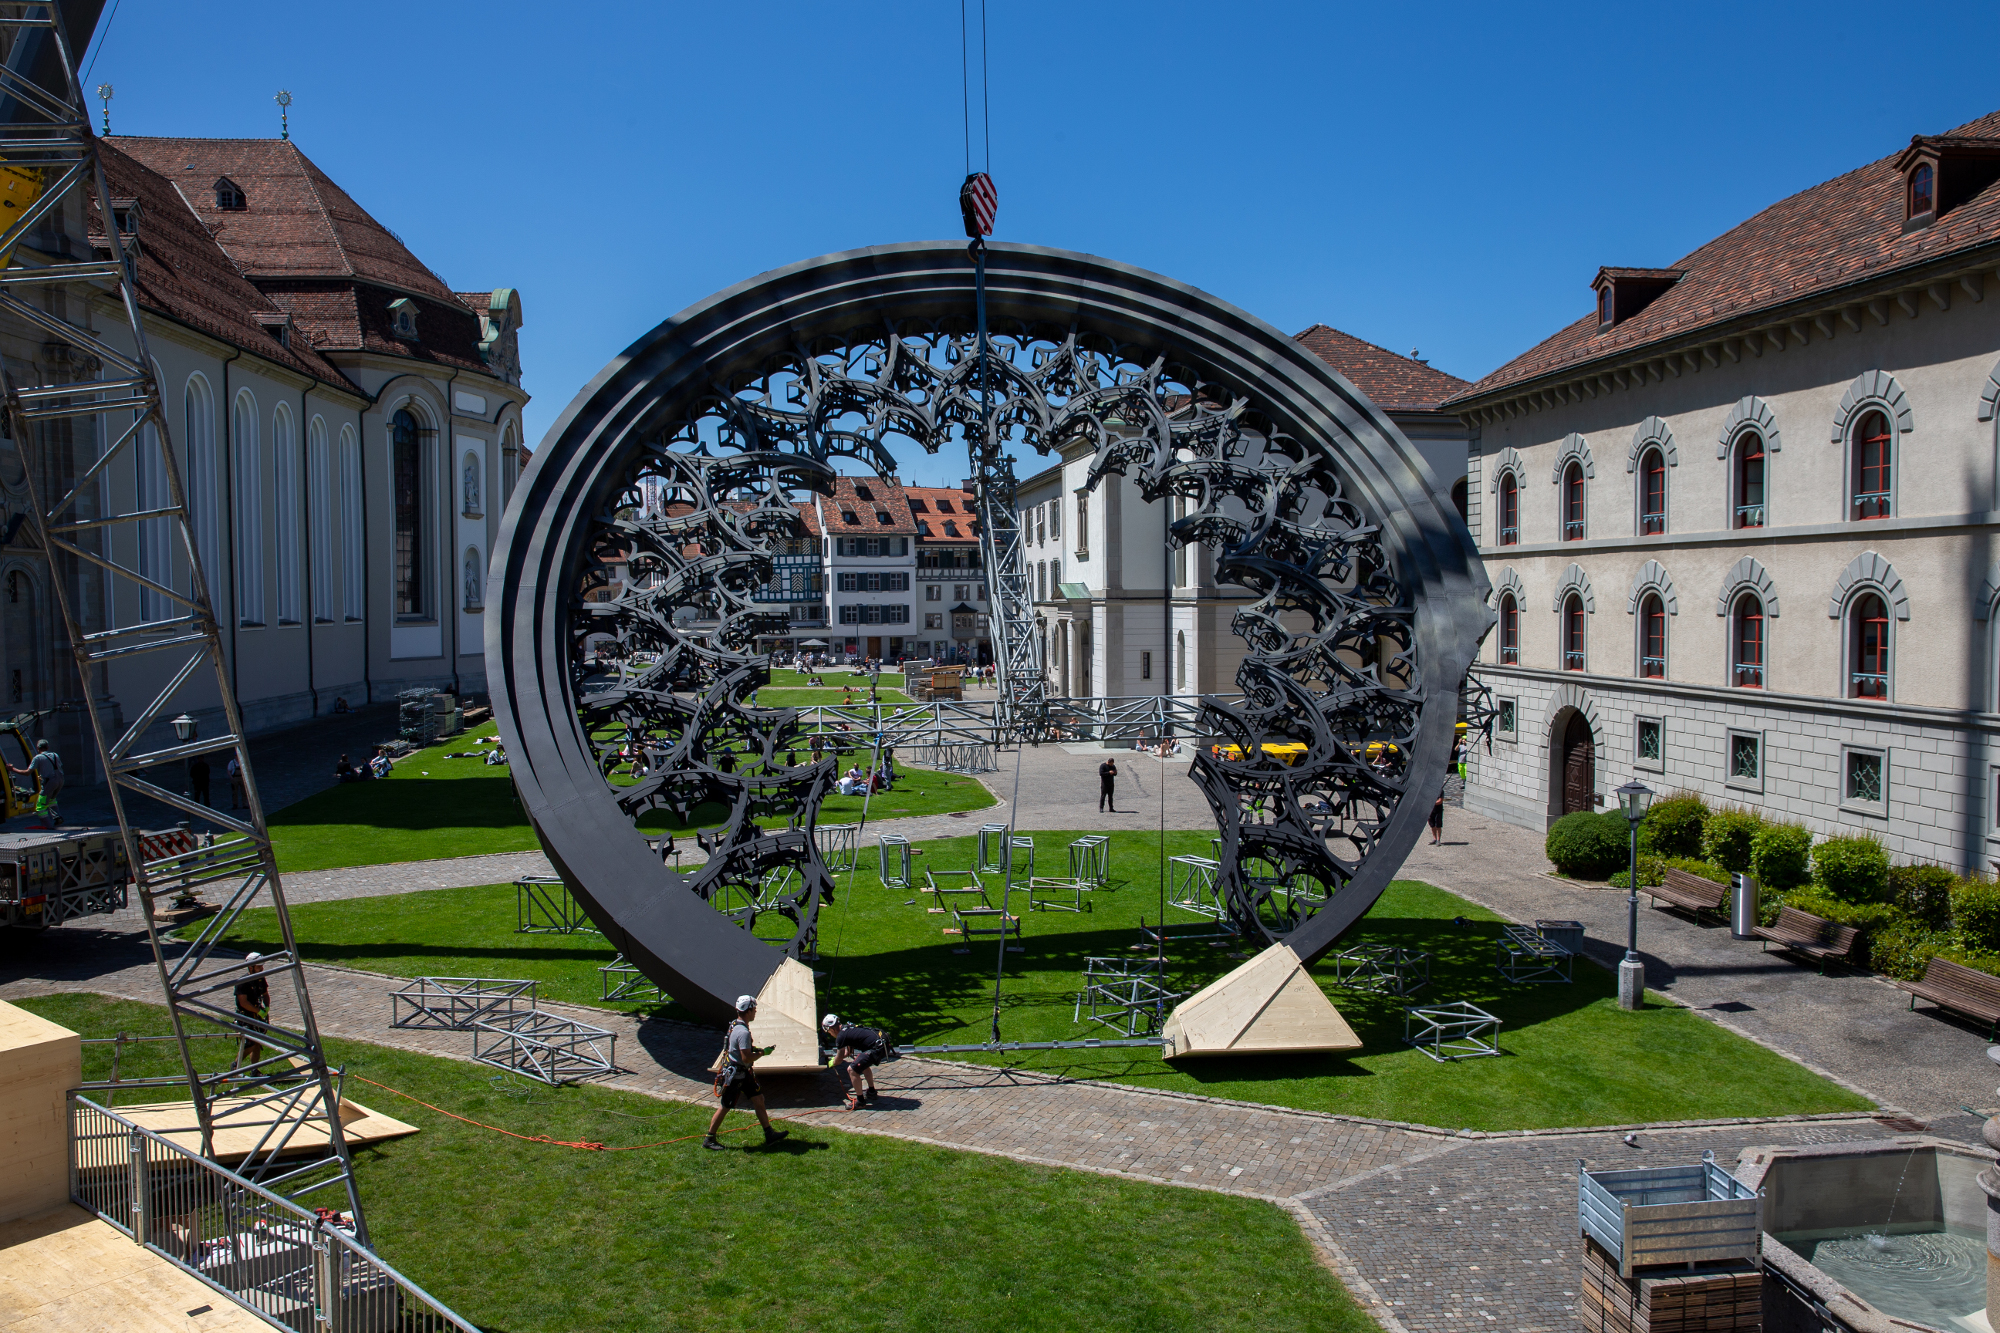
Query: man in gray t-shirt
point(46, 769)
point(737, 1079)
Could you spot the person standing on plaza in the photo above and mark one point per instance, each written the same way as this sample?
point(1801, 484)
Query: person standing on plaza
point(1437, 821)
point(253, 1001)
point(237, 798)
point(198, 779)
point(737, 1079)
point(1107, 777)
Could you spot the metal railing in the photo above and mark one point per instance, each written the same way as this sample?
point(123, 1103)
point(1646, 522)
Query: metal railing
point(1750, 675)
point(1653, 666)
point(1872, 504)
point(1572, 661)
point(1510, 536)
point(296, 1268)
point(1869, 684)
point(1651, 525)
point(1572, 529)
point(1750, 516)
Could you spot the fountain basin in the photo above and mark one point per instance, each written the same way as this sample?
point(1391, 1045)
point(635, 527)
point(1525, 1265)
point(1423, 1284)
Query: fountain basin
point(1884, 1236)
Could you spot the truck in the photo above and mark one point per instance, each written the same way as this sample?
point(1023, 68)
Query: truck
point(49, 876)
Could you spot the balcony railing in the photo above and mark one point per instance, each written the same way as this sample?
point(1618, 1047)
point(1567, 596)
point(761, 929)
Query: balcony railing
point(1750, 675)
point(1511, 656)
point(1572, 661)
point(1652, 525)
point(1572, 529)
point(1510, 536)
point(1869, 684)
point(1653, 666)
point(295, 1268)
point(1872, 504)
point(1750, 516)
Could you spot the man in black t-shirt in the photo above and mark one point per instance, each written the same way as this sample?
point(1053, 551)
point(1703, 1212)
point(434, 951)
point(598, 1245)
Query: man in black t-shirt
point(253, 1000)
point(1107, 774)
point(861, 1049)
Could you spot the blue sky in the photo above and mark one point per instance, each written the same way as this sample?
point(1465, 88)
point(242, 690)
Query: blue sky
point(1441, 177)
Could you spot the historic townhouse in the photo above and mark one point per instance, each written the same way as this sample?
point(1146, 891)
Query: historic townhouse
point(347, 429)
point(1740, 520)
point(951, 580)
point(1120, 615)
point(870, 536)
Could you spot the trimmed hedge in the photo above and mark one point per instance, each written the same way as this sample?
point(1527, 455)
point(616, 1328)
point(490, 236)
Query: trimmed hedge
point(1779, 856)
point(1853, 870)
point(1975, 914)
point(1726, 839)
point(1924, 893)
point(1587, 845)
point(1673, 826)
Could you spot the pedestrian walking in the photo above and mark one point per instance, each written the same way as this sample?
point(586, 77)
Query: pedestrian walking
point(198, 779)
point(1107, 776)
point(253, 1001)
point(736, 1080)
point(860, 1049)
point(1437, 821)
point(47, 771)
point(237, 799)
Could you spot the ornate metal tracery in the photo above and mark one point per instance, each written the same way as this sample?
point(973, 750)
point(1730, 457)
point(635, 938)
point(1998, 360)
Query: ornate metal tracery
point(649, 518)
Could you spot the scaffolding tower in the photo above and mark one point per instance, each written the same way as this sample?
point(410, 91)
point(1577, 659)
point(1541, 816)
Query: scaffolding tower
point(276, 1082)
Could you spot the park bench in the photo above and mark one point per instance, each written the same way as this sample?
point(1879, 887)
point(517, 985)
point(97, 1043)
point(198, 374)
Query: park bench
point(1813, 936)
point(1691, 892)
point(1951, 985)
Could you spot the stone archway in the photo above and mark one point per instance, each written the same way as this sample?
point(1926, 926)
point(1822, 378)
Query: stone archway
point(1572, 764)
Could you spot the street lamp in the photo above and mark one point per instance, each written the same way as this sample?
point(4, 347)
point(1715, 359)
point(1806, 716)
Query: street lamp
point(184, 728)
point(1636, 797)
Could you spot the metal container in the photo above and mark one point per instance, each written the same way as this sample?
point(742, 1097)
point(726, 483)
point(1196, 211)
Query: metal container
point(1743, 908)
point(1669, 1215)
point(1569, 934)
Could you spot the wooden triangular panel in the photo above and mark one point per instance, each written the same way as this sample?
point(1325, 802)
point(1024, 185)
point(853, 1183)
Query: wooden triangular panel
point(786, 1018)
point(1269, 1005)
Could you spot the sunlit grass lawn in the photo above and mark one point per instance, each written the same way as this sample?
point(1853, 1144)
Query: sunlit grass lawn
point(1571, 1056)
point(828, 1231)
point(835, 678)
point(773, 697)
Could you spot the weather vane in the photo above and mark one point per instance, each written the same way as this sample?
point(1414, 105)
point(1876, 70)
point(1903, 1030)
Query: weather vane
point(104, 96)
point(284, 101)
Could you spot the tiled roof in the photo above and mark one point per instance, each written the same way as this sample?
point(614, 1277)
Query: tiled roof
point(298, 223)
point(884, 497)
point(354, 317)
point(1844, 231)
point(809, 514)
point(934, 506)
point(185, 277)
point(1389, 380)
point(479, 302)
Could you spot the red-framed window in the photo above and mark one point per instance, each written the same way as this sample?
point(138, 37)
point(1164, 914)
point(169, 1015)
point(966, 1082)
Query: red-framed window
point(1874, 473)
point(1510, 630)
point(1923, 193)
point(1868, 669)
point(1749, 481)
point(1572, 631)
point(1747, 642)
point(1652, 493)
point(1510, 510)
point(1572, 503)
point(1652, 637)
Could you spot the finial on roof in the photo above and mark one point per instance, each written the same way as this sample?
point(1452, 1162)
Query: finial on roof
point(104, 96)
point(284, 101)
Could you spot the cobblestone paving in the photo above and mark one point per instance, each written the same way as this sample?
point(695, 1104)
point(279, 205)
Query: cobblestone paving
point(1485, 1236)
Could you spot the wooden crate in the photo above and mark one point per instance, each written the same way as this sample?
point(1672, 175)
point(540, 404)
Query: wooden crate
point(1723, 1298)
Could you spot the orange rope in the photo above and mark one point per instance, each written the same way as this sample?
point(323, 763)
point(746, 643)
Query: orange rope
point(584, 1144)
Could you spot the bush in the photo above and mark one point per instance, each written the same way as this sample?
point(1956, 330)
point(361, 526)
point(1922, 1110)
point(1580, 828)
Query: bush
point(1587, 845)
point(1726, 837)
point(1779, 854)
point(1854, 870)
point(1649, 873)
point(1869, 918)
point(1975, 914)
point(1673, 826)
point(1695, 867)
point(1924, 893)
point(1905, 948)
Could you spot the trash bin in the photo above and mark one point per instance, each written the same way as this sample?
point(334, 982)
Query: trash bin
point(1569, 934)
point(1743, 908)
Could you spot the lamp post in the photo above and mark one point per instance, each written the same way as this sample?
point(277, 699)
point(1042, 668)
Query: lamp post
point(1636, 798)
point(185, 728)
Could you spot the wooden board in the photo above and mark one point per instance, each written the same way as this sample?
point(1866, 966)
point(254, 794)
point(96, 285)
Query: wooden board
point(40, 1062)
point(787, 1019)
point(1268, 1006)
point(67, 1271)
point(239, 1125)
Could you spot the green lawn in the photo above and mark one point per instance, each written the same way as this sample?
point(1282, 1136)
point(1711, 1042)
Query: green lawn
point(829, 1231)
point(1571, 1056)
point(835, 679)
point(431, 807)
point(826, 698)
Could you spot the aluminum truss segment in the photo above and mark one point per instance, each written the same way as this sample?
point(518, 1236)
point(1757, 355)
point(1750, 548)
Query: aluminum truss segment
point(277, 1081)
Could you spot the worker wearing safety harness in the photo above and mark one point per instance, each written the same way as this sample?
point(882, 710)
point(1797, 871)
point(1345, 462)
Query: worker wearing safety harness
point(861, 1049)
point(736, 1079)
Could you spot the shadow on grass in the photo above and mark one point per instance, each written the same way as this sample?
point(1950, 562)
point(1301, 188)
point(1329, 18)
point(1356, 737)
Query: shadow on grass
point(414, 804)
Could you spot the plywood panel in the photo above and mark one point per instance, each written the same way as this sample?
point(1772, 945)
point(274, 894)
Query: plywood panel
point(239, 1125)
point(66, 1271)
point(1267, 1006)
point(787, 1018)
point(40, 1062)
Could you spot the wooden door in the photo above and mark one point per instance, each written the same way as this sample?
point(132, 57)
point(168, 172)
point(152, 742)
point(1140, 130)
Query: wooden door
point(875, 647)
point(1579, 766)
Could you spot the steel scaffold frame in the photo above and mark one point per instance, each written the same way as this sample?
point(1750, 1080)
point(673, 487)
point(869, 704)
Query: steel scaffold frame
point(279, 1071)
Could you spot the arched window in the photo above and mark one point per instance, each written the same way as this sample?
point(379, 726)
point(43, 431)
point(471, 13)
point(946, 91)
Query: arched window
point(1652, 493)
point(1923, 198)
point(156, 535)
point(1747, 481)
point(1652, 637)
point(248, 500)
point(1572, 502)
point(319, 519)
point(1510, 630)
point(1510, 510)
point(1460, 499)
point(204, 478)
point(1180, 658)
point(1874, 477)
point(1572, 631)
point(285, 476)
point(353, 603)
point(1746, 642)
point(1868, 648)
point(406, 455)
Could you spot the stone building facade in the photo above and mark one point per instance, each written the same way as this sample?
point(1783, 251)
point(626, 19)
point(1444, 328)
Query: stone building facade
point(1741, 521)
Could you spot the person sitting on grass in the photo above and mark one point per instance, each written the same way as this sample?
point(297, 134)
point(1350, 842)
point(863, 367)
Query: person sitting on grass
point(737, 1078)
point(381, 763)
point(853, 782)
point(861, 1049)
point(346, 772)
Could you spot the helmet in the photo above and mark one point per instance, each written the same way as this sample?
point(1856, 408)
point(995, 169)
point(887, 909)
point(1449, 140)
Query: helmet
point(830, 1021)
point(745, 1003)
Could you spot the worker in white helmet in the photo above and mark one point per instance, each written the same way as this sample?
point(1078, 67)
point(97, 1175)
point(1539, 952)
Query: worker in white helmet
point(860, 1049)
point(736, 1079)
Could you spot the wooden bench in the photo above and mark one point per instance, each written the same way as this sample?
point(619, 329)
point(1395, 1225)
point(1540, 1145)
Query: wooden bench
point(1951, 985)
point(1691, 892)
point(1813, 936)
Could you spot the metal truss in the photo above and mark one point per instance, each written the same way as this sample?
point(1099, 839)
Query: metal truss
point(544, 1046)
point(454, 1004)
point(1366, 598)
point(278, 1080)
point(543, 905)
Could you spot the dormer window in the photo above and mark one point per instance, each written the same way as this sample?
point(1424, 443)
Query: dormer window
point(126, 213)
point(882, 517)
point(917, 506)
point(278, 325)
point(229, 196)
point(862, 492)
point(848, 516)
point(944, 506)
point(1624, 292)
point(1923, 191)
point(1604, 304)
point(951, 529)
point(403, 314)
